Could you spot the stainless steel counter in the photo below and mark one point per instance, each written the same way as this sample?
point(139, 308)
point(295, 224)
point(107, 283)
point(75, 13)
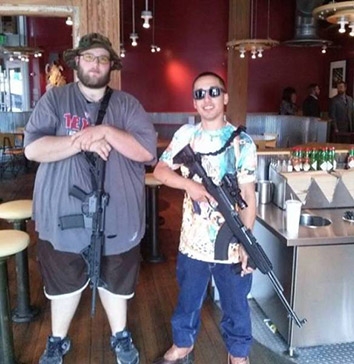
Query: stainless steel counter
point(316, 270)
point(339, 232)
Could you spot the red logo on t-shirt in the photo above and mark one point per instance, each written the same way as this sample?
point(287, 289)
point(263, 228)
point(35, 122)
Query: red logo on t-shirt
point(75, 123)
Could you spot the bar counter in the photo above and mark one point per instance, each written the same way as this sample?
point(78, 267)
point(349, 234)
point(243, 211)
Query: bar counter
point(338, 232)
point(316, 270)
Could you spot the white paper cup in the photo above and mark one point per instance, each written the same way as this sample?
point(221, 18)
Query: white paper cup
point(293, 211)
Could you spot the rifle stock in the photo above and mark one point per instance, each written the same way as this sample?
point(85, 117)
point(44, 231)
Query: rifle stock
point(234, 228)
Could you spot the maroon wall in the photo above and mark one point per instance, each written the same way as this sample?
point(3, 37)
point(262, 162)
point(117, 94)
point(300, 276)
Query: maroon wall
point(194, 41)
point(193, 36)
point(53, 36)
point(293, 66)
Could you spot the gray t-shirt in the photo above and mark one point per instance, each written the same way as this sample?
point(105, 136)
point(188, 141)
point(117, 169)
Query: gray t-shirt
point(64, 111)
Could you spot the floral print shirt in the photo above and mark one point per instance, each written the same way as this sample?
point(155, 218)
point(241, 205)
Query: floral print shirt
point(201, 221)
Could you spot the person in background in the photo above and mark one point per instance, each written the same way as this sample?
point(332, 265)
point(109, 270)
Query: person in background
point(341, 111)
point(311, 105)
point(288, 103)
point(58, 135)
point(201, 222)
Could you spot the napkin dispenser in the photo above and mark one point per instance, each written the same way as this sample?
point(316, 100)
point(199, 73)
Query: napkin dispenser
point(281, 190)
point(319, 189)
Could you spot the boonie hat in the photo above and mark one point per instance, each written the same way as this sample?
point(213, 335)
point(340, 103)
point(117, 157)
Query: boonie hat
point(89, 41)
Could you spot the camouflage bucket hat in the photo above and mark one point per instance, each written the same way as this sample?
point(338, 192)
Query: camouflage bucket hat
point(89, 41)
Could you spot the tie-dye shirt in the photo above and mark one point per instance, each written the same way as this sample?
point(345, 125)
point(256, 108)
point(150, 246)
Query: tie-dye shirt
point(201, 222)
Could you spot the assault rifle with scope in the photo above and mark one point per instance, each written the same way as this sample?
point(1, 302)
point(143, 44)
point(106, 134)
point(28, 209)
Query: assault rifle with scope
point(227, 195)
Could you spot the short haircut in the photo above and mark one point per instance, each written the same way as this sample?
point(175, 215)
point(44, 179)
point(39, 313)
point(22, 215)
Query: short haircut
point(312, 86)
point(287, 92)
point(341, 82)
point(213, 74)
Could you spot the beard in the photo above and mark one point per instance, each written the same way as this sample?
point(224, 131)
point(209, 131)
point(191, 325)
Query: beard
point(92, 82)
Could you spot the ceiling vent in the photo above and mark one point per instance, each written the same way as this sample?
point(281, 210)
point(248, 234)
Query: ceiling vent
point(306, 26)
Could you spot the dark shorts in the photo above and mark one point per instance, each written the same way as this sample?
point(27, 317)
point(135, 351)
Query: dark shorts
point(66, 273)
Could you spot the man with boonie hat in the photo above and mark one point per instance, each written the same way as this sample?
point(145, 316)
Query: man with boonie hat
point(89, 41)
point(60, 134)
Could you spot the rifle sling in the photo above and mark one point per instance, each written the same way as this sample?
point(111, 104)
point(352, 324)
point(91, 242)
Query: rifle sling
point(74, 221)
point(225, 235)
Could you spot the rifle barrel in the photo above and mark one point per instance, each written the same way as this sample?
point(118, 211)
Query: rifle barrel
point(279, 290)
point(93, 302)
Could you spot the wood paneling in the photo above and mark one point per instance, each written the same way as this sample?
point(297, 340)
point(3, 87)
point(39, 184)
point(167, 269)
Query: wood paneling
point(237, 76)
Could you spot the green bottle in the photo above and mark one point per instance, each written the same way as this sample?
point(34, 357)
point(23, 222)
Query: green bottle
point(306, 163)
point(331, 161)
point(313, 159)
point(322, 159)
point(350, 162)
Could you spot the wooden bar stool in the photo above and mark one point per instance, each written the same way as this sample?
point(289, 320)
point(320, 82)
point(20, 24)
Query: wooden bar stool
point(17, 212)
point(11, 242)
point(152, 219)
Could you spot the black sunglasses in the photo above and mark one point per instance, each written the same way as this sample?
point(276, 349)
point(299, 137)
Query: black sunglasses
point(213, 91)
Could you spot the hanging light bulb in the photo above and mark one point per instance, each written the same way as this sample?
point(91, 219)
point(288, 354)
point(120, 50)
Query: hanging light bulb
point(146, 15)
point(253, 52)
point(342, 23)
point(133, 36)
point(242, 52)
point(154, 47)
point(324, 49)
point(260, 52)
point(351, 26)
point(122, 50)
point(69, 21)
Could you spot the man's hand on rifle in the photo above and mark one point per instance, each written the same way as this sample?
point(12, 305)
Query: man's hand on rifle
point(244, 261)
point(88, 141)
point(197, 192)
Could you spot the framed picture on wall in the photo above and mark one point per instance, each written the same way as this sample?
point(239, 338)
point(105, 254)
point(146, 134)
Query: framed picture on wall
point(336, 74)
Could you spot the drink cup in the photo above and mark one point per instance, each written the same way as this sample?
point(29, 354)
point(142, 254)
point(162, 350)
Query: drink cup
point(293, 211)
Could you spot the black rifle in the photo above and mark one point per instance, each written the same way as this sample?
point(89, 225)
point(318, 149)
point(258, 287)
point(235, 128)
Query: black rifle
point(94, 210)
point(227, 194)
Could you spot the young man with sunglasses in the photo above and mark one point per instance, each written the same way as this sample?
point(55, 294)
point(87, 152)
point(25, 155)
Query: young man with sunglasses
point(62, 136)
point(220, 153)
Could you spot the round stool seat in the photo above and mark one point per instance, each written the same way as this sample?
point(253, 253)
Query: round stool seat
point(16, 210)
point(12, 242)
point(150, 180)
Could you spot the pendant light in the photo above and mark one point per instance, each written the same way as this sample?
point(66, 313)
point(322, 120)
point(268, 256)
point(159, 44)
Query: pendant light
point(146, 15)
point(133, 35)
point(255, 46)
point(154, 48)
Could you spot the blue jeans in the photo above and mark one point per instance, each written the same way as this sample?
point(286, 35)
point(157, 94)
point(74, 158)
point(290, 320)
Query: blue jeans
point(193, 278)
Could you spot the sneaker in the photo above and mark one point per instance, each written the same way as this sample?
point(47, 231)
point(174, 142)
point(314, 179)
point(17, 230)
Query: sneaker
point(55, 349)
point(124, 349)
